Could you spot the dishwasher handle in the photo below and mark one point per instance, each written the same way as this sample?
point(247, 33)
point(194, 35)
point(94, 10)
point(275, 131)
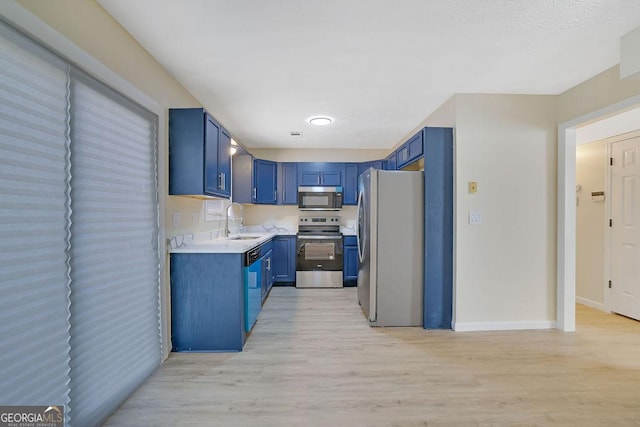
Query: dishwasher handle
point(251, 257)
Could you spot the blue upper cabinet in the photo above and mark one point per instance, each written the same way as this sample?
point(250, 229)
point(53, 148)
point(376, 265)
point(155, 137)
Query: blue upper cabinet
point(410, 151)
point(254, 180)
point(375, 164)
point(212, 183)
point(264, 182)
point(389, 163)
point(243, 179)
point(224, 162)
point(317, 173)
point(350, 184)
point(199, 156)
point(288, 184)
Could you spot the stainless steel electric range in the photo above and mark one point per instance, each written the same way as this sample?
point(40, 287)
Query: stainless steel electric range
point(319, 253)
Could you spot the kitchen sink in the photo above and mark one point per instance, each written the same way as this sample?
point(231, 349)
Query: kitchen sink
point(243, 237)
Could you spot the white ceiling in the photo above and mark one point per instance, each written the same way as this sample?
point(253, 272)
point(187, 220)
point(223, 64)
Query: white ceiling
point(378, 67)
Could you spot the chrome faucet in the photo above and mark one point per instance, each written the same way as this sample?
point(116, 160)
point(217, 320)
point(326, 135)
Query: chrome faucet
point(226, 218)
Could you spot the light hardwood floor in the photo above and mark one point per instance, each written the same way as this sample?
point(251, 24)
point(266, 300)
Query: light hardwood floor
point(312, 360)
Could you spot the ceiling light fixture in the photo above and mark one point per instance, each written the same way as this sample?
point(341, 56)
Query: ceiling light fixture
point(320, 121)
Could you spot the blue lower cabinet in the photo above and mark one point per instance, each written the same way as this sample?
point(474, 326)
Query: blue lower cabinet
point(350, 269)
point(267, 273)
point(284, 259)
point(207, 302)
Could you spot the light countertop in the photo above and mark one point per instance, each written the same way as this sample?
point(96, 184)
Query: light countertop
point(207, 242)
point(231, 245)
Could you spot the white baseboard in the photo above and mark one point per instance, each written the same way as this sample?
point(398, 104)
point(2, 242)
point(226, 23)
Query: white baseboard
point(590, 303)
point(502, 326)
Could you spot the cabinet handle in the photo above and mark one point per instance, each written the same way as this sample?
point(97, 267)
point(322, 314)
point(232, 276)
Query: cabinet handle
point(284, 195)
point(254, 193)
point(223, 183)
point(275, 196)
point(268, 264)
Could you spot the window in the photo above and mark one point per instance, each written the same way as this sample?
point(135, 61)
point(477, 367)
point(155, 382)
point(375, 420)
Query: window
point(80, 290)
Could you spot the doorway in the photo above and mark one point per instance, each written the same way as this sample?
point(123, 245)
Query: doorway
point(606, 118)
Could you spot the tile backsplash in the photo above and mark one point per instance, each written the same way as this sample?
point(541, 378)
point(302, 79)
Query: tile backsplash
point(194, 220)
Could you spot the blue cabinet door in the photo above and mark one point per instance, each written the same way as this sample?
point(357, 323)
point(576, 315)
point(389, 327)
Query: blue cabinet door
point(224, 163)
point(308, 178)
point(320, 173)
point(331, 178)
point(211, 156)
point(375, 164)
point(207, 302)
point(350, 184)
point(416, 146)
point(410, 151)
point(350, 271)
point(390, 162)
point(199, 157)
point(284, 258)
point(264, 175)
point(186, 151)
point(288, 183)
point(243, 178)
point(267, 274)
point(254, 180)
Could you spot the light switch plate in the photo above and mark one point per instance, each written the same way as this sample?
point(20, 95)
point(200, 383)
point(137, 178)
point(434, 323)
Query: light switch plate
point(475, 218)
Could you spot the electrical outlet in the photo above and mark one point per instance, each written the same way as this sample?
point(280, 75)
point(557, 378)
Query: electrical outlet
point(475, 218)
point(473, 187)
point(175, 219)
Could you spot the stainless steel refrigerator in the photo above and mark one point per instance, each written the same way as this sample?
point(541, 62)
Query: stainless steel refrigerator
point(390, 247)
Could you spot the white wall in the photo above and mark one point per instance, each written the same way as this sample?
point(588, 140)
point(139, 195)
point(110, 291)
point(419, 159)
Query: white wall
point(624, 122)
point(505, 267)
point(590, 217)
point(597, 93)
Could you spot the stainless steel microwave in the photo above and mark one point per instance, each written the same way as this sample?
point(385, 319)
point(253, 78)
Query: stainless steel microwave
point(320, 198)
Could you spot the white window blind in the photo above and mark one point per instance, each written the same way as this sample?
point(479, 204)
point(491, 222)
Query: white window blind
point(115, 329)
point(34, 208)
point(79, 262)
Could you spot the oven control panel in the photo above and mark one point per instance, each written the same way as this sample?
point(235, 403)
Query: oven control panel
point(319, 220)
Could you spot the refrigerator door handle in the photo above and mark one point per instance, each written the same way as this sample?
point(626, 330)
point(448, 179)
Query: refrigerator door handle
point(359, 226)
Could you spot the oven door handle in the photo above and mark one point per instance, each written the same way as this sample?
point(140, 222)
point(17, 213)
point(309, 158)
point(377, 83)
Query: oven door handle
point(319, 237)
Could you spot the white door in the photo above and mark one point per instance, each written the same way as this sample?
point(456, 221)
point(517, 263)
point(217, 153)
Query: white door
point(625, 228)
